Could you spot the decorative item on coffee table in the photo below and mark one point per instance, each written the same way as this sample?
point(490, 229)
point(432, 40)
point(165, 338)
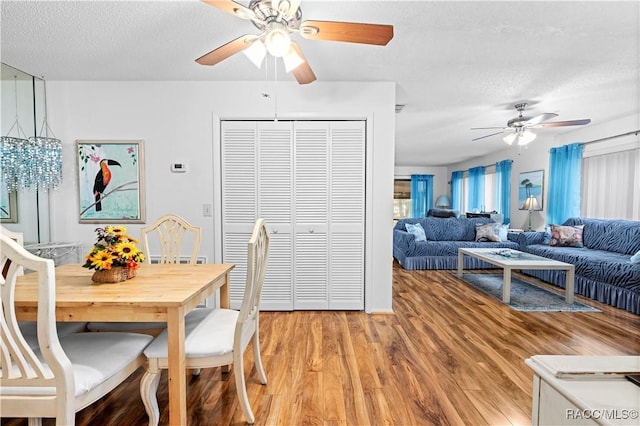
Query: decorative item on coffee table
point(114, 257)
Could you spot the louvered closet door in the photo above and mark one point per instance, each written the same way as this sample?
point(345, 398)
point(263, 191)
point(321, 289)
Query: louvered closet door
point(347, 209)
point(275, 199)
point(257, 182)
point(239, 207)
point(311, 214)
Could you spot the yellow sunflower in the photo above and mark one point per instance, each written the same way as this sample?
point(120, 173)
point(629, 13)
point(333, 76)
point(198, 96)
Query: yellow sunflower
point(103, 259)
point(116, 230)
point(126, 250)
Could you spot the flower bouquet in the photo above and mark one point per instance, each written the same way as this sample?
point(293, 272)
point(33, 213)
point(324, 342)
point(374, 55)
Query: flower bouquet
point(115, 256)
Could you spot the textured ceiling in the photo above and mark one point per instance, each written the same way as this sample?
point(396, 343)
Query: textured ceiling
point(457, 64)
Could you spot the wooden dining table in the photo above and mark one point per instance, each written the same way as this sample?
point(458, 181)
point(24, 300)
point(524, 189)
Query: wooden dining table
point(158, 292)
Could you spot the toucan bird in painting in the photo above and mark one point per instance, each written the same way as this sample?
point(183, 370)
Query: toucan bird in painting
point(102, 180)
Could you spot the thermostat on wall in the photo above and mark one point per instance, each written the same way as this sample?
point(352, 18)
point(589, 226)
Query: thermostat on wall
point(178, 167)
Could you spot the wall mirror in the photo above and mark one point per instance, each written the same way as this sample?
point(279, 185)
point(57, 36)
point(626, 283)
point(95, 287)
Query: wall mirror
point(25, 210)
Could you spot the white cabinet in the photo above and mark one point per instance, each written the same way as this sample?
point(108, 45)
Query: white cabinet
point(307, 180)
point(584, 390)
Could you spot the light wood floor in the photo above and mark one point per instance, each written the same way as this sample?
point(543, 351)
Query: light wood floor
point(449, 355)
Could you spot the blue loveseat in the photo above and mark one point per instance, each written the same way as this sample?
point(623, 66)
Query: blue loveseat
point(603, 270)
point(444, 237)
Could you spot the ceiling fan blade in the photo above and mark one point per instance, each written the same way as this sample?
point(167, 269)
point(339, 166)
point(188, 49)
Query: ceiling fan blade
point(352, 32)
point(226, 50)
point(303, 72)
point(233, 8)
point(482, 137)
point(540, 118)
point(581, 122)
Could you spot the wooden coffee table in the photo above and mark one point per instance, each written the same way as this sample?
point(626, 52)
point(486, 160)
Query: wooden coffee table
point(514, 259)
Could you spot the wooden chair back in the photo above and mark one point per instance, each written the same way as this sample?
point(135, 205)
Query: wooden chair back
point(257, 256)
point(17, 237)
point(40, 384)
point(171, 231)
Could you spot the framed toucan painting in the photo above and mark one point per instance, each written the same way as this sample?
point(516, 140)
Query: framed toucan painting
point(111, 181)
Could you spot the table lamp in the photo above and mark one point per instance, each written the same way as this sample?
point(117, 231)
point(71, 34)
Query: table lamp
point(531, 204)
point(443, 202)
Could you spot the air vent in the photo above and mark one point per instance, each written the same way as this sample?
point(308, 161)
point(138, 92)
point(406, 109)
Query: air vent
point(183, 259)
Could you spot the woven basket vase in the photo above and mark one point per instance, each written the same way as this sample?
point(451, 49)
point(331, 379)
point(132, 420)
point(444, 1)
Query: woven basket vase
point(113, 275)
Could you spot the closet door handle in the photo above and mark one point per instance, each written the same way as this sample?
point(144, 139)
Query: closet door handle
point(275, 231)
point(311, 231)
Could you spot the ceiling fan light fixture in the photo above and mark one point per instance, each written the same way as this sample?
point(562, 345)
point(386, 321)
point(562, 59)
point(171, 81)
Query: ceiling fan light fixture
point(526, 137)
point(509, 138)
point(292, 60)
point(256, 52)
point(278, 41)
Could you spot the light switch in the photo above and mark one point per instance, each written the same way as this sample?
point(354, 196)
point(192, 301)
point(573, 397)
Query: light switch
point(207, 210)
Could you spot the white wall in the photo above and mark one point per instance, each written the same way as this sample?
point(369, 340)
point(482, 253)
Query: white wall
point(535, 156)
point(180, 121)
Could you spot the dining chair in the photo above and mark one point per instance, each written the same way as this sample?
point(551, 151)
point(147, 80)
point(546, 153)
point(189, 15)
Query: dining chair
point(172, 234)
point(29, 328)
point(64, 374)
point(171, 231)
point(217, 337)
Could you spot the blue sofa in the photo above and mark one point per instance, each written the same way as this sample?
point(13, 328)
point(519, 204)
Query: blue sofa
point(603, 270)
point(444, 237)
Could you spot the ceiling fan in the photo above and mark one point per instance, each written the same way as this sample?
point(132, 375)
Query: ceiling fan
point(278, 20)
point(519, 128)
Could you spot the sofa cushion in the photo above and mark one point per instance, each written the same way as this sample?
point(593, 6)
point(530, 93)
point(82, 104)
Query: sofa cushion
point(617, 235)
point(450, 248)
point(566, 236)
point(597, 265)
point(486, 232)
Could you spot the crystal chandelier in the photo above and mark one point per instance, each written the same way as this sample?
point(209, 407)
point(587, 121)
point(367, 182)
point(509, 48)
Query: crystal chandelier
point(35, 162)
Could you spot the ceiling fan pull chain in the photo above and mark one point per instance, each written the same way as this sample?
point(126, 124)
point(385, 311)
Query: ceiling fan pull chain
point(275, 76)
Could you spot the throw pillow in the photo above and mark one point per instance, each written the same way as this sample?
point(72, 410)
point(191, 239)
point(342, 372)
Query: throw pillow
point(547, 236)
point(503, 231)
point(636, 257)
point(566, 236)
point(486, 232)
point(417, 231)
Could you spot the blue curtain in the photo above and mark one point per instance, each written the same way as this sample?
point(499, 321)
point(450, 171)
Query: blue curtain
point(503, 189)
point(476, 188)
point(565, 177)
point(456, 190)
point(421, 194)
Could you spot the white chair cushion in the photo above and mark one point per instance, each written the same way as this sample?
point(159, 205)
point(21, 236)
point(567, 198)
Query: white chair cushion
point(29, 330)
point(98, 356)
point(208, 332)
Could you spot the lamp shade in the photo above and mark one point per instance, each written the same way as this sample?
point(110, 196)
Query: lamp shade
point(278, 42)
point(526, 137)
point(509, 138)
point(443, 202)
point(292, 60)
point(256, 52)
point(531, 203)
